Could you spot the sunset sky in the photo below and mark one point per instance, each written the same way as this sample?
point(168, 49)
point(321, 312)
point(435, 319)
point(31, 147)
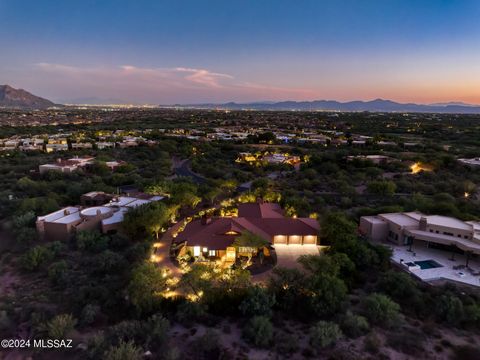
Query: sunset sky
point(194, 51)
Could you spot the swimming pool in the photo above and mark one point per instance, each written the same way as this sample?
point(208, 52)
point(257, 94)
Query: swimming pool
point(428, 264)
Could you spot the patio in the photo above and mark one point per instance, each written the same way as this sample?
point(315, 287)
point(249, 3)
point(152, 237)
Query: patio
point(453, 270)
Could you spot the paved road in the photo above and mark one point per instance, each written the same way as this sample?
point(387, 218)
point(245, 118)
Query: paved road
point(183, 169)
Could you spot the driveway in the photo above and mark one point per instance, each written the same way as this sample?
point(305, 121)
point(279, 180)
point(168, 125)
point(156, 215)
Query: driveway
point(287, 255)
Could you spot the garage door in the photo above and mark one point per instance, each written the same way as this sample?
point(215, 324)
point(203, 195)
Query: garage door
point(279, 239)
point(294, 239)
point(310, 240)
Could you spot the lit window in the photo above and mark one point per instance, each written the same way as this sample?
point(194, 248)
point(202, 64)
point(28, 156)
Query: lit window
point(196, 251)
point(211, 253)
point(205, 249)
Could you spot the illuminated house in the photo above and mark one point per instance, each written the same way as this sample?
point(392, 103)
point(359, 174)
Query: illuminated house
point(268, 158)
point(213, 237)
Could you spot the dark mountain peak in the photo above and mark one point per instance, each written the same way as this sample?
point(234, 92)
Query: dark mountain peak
point(21, 99)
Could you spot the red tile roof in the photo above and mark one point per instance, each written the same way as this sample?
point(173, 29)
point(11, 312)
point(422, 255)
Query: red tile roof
point(260, 210)
point(264, 220)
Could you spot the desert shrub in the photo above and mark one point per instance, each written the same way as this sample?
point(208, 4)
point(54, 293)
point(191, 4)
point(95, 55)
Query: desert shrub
point(124, 351)
point(407, 341)
point(60, 326)
point(128, 330)
point(354, 325)
point(285, 343)
point(38, 256)
point(188, 312)
point(89, 314)
point(257, 302)
point(381, 310)
point(57, 272)
point(258, 331)
point(96, 346)
point(449, 308)
point(158, 331)
point(400, 286)
point(324, 333)
point(372, 343)
point(466, 352)
point(5, 321)
point(208, 346)
point(472, 315)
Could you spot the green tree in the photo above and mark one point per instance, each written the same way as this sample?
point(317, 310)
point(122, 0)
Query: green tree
point(251, 240)
point(92, 241)
point(147, 280)
point(327, 294)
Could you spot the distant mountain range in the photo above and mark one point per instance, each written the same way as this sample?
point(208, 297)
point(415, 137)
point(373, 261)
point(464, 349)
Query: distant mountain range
point(378, 105)
point(21, 99)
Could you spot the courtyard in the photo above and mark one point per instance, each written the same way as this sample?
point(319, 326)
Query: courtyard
point(451, 269)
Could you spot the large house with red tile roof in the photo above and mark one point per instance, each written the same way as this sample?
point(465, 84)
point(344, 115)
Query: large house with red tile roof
point(212, 237)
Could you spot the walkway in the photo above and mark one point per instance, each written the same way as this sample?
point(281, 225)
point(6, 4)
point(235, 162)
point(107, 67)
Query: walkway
point(162, 251)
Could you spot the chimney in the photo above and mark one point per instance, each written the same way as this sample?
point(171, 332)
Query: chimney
point(66, 212)
point(423, 223)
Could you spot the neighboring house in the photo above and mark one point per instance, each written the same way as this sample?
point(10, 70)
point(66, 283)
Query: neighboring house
point(470, 162)
point(213, 238)
point(56, 147)
point(432, 231)
point(82, 145)
point(106, 216)
point(113, 165)
point(67, 166)
point(274, 158)
point(104, 145)
point(376, 159)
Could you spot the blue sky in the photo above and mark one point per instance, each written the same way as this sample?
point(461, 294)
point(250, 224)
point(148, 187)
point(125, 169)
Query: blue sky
point(195, 51)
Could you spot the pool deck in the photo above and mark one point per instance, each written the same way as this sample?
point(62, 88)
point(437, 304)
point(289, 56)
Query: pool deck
point(446, 272)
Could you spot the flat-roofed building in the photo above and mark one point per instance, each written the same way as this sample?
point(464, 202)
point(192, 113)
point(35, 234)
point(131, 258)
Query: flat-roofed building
point(67, 166)
point(441, 232)
point(106, 215)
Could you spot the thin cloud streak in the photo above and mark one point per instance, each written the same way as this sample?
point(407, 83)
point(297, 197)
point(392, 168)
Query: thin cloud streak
point(156, 85)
